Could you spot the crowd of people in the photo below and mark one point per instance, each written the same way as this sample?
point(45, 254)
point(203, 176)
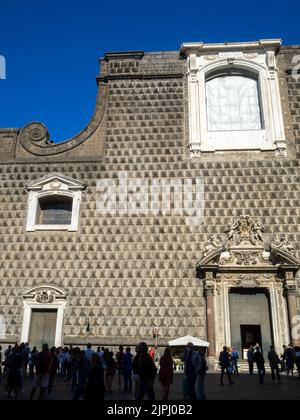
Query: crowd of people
point(288, 362)
point(92, 374)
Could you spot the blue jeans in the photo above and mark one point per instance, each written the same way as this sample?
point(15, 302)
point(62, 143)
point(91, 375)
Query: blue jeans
point(201, 387)
point(261, 373)
point(127, 380)
point(191, 382)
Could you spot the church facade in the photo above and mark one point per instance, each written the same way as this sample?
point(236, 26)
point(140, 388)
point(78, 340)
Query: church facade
point(175, 212)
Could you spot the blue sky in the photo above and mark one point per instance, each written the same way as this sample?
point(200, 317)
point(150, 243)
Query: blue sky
point(52, 47)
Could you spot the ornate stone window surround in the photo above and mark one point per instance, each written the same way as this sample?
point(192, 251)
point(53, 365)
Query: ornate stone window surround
point(44, 297)
point(54, 185)
point(258, 58)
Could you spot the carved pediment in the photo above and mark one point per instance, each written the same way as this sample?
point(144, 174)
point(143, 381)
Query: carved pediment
point(245, 244)
point(56, 181)
point(44, 295)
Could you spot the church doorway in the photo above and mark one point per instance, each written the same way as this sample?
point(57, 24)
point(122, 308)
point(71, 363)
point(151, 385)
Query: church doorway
point(250, 319)
point(43, 327)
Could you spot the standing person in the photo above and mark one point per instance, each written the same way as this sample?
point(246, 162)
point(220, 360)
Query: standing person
point(32, 362)
point(89, 352)
point(127, 370)
point(0, 364)
point(14, 377)
point(297, 355)
point(166, 372)
point(224, 361)
point(260, 363)
point(6, 356)
point(290, 360)
point(53, 369)
point(81, 373)
point(95, 387)
point(192, 365)
point(27, 353)
point(234, 361)
point(251, 360)
point(111, 370)
point(147, 372)
point(202, 377)
point(120, 365)
point(43, 367)
point(136, 371)
point(283, 359)
point(274, 364)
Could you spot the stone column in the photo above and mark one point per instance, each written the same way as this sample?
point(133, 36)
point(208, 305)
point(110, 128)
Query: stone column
point(210, 316)
point(291, 291)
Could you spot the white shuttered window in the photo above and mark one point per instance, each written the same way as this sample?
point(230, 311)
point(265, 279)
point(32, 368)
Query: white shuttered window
point(233, 103)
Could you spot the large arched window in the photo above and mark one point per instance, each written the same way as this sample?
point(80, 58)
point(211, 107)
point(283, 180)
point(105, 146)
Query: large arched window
point(234, 98)
point(233, 101)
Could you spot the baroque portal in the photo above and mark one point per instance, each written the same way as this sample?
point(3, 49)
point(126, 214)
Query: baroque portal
point(249, 280)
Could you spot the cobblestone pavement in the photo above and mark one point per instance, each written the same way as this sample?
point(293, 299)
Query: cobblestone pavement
point(245, 388)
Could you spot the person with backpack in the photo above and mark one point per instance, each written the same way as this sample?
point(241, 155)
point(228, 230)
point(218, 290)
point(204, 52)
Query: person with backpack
point(43, 367)
point(274, 364)
point(234, 361)
point(201, 377)
point(224, 361)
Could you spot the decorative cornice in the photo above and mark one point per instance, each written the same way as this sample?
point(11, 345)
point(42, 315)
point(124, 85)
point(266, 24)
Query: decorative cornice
point(58, 181)
point(124, 55)
point(197, 47)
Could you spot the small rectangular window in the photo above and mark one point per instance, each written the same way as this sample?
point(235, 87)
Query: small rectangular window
point(55, 211)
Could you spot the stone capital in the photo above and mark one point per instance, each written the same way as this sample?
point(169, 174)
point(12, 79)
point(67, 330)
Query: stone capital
point(209, 289)
point(290, 289)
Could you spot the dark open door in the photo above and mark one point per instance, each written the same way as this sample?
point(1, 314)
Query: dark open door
point(251, 335)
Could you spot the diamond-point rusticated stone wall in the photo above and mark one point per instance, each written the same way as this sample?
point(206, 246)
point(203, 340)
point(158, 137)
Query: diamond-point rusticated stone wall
point(125, 275)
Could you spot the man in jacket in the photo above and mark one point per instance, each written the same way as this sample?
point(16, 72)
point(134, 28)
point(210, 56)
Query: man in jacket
point(147, 373)
point(224, 361)
point(192, 366)
point(274, 364)
point(251, 360)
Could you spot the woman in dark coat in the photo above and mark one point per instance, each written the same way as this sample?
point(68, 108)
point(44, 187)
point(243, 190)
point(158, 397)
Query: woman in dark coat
point(166, 372)
point(95, 388)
